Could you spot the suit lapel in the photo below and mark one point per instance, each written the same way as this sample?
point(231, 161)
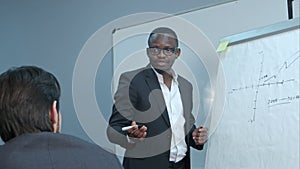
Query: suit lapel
point(183, 93)
point(152, 82)
point(185, 98)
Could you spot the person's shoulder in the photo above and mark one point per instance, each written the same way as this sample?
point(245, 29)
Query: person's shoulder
point(54, 140)
point(1, 147)
point(95, 153)
point(137, 73)
point(55, 147)
point(184, 81)
point(78, 142)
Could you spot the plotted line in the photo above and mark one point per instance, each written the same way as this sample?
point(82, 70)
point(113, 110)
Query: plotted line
point(263, 84)
point(295, 56)
point(257, 88)
point(279, 104)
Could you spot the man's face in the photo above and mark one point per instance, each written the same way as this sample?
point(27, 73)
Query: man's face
point(162, 52)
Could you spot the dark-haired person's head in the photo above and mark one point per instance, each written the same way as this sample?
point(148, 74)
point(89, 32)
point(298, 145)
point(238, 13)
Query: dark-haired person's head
point(29, 102)
point(162, 31)
point(163, 48)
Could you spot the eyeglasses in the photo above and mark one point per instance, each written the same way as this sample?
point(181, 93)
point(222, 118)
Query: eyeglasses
point(166, 51)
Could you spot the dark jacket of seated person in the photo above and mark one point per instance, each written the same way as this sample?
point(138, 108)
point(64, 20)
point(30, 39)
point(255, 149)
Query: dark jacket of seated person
point(30, 123)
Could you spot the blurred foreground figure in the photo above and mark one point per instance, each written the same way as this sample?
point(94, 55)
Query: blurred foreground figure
point(30, 123)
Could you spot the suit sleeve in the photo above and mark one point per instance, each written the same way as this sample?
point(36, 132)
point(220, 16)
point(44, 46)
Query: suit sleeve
point(191, 119)
point(122, 112)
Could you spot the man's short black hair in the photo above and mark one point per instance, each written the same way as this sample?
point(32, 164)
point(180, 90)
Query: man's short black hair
point(26, 96)
point(162, 31)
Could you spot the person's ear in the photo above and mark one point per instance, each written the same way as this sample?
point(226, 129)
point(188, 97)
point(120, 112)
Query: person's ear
point(148, 52)
point(177, 52)
point(54, 117)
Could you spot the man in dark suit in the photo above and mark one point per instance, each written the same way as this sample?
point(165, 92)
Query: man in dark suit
point(30, 124)
point(157, 103)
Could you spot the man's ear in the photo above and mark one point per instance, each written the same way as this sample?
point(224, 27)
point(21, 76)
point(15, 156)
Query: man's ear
point(54, 117)
point(148, 52)
point(177, 53)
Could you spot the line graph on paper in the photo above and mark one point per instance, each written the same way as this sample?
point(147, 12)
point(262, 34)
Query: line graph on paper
point(277, 78)
point(260, 120)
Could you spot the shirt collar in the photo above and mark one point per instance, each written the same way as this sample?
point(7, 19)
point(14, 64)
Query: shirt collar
point(160, 77)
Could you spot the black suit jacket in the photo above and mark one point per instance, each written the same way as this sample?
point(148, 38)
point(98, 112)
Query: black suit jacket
point(54, 151)
point(139, 98)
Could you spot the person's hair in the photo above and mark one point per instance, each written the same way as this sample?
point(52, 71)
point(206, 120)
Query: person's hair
point(26, 97)
point(162, 31)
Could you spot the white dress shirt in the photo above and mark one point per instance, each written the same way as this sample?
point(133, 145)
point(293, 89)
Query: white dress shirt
point(175, 111)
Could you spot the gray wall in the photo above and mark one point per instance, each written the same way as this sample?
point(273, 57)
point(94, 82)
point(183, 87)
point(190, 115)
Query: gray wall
point(51, 33)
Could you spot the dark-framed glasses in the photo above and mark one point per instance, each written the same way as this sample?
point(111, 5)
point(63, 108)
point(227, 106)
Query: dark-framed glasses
point(166, 51)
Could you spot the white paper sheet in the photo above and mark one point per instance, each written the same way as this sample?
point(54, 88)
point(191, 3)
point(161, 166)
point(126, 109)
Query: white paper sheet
point(259, 128)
